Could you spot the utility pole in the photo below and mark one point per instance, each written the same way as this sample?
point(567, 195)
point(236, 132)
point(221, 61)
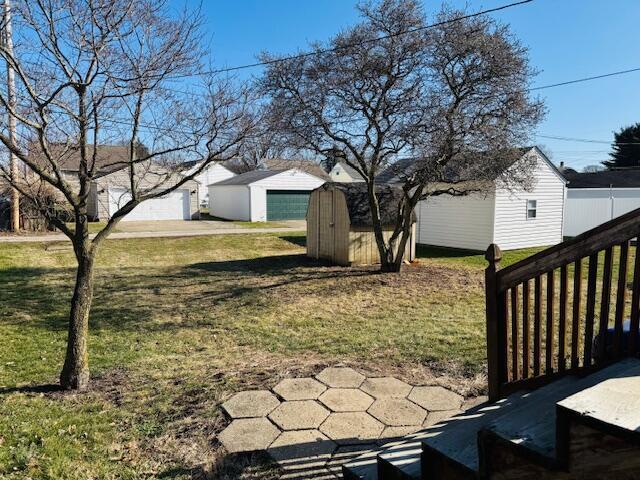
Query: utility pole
point(11, 94)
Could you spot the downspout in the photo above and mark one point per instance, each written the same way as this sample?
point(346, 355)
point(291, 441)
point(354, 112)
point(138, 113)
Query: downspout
point(611, 200)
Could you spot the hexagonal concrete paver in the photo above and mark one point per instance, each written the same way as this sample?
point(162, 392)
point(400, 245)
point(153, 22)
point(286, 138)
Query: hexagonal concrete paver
point(346, 400)
point(439, 417)
point(351, 427)
point(347, 453)
point(341, 377)
point(397, 412)
point(299, 389)
point(299, 415)
point(474, 402)
point(436, 398)
point(251, 403)
point(248, 434)
point(386, 387)
point(391, 433)
point(302, 450)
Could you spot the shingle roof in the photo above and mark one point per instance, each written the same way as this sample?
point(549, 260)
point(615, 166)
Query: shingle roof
point(109, 158)
point(306, 166)
point(248, 177)
point(358, 202)
point(404, 166)
point(604, 179)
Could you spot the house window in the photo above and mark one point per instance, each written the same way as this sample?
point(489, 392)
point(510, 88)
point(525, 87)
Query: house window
point(532, 209)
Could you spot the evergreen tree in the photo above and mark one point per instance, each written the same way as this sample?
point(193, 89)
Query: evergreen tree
point(626, 149)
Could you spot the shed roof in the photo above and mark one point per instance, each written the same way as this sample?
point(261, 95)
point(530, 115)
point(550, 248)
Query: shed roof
point(604, 179)
point(357, 199)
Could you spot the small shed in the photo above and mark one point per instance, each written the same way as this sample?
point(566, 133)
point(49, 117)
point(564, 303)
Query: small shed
point(339, 225)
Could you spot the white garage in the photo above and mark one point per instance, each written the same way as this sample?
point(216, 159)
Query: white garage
point(595, 198)
point(263, 195)
point(173, 206)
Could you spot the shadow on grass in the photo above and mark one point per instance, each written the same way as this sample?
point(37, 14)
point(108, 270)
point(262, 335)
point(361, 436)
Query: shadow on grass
point(298, 240)
point(34, 389)
point(135, 299)
point(429, 251)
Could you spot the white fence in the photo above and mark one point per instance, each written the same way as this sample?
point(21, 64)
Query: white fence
point(587, 208)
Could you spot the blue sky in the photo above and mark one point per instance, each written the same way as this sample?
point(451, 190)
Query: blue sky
point(567, 39)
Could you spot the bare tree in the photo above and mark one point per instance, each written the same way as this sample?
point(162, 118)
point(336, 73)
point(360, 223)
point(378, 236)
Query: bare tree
point(90, 73)
point(451, 101)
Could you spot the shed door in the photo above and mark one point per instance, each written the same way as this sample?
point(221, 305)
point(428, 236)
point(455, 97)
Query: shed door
point(287, 204)
point(326, 225)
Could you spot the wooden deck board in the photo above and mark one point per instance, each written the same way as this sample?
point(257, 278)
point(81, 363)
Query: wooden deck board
point(614, 400)
point(527, 419)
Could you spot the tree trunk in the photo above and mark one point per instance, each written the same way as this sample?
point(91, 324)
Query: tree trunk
point(75, 372)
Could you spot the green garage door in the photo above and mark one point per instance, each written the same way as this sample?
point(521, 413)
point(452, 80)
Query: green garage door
point(287, 204)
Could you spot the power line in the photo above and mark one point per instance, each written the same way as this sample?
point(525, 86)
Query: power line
point(585, 79)
point(585, 140)
point(364, 42)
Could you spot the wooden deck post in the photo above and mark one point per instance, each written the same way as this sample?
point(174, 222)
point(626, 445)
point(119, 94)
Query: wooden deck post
point(495, 307)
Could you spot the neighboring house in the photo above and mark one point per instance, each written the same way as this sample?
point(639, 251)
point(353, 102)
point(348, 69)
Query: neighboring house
point(511, 219)
point(213, 173)
point(595, 198)
point(263, 195)
point(110, 187)
point(343, 173)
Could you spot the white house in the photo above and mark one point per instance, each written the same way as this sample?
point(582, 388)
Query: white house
point(595, 198)
point(263, 195)
point(343, 173)
point(214, 172)
point(511, 219)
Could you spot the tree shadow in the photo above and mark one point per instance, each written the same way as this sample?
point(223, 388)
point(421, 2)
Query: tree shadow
point(136, 298)
point(299, 240)
point(33, 389)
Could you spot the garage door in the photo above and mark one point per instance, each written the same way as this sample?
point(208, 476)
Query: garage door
point(173, 206)
point(287, 204)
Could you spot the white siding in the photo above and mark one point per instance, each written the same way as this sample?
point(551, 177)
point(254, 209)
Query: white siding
point(456, 222)
point(249, 202)
point(214, 173)
point(512, 228)
point(230, 201)
point(289, 180)
point(149, 176)
point(589, 207)
point(339, 174)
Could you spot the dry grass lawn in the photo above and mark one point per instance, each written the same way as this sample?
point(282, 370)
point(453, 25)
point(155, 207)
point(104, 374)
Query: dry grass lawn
point(179, 324)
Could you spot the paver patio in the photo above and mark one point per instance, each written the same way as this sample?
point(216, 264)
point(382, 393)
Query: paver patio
point(317, 424)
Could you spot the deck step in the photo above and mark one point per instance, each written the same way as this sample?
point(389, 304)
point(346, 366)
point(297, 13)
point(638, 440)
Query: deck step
point(612, 400)
point(398, 460)
point(523, 420)
point(533, 424)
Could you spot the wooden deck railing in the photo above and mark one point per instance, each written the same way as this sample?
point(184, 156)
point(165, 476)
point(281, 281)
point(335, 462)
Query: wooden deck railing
point(541, 321)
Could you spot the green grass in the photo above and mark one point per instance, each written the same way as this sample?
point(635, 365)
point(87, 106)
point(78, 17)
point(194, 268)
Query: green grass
point(471, 258)
point(180, 323)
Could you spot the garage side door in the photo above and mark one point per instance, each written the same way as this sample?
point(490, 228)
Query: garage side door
point(174, 206)
point(287, 204)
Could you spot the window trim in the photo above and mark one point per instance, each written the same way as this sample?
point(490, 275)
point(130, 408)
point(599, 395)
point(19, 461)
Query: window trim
point(530, 209)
